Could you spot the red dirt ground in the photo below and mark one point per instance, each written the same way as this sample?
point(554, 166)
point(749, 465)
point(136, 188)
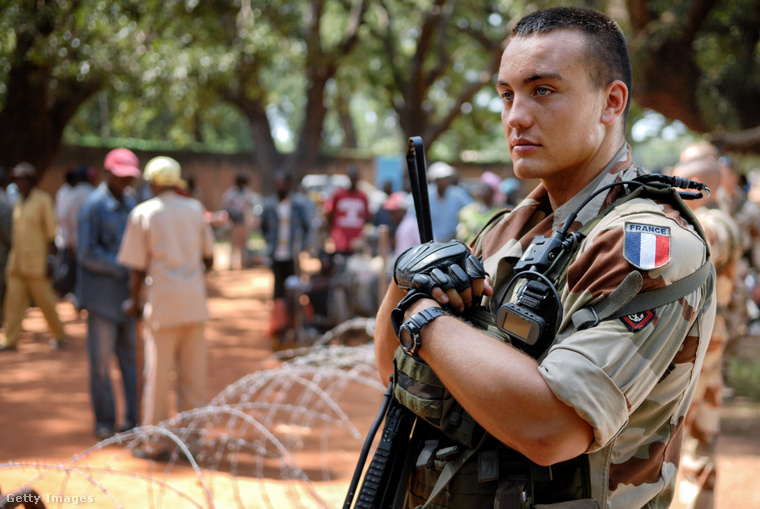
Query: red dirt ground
point(45, 415)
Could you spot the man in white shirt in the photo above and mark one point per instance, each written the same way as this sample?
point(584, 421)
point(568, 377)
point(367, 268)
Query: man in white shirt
point(168, 245)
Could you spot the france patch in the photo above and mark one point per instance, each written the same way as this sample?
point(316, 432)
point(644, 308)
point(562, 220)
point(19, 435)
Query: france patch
point(646, 246)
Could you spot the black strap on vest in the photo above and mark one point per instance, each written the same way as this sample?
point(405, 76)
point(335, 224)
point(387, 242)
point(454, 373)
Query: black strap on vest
point(626, 300)
point(451, 468)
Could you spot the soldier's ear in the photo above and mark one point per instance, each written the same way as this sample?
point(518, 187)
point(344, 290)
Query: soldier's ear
point(616, 98)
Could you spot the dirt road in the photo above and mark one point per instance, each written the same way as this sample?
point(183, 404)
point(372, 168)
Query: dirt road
point(45, 414)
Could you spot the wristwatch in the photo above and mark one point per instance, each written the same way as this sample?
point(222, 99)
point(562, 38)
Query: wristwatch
point(410, 330)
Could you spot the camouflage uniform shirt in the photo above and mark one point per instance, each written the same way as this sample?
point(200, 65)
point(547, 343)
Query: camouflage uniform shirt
point(698, 461)
point(631, 379)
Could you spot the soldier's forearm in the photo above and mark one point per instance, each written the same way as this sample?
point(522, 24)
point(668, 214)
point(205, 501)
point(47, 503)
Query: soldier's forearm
point(385, 338)
point(493, 381)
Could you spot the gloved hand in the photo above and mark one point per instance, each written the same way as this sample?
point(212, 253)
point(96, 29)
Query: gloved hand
point(445, 265)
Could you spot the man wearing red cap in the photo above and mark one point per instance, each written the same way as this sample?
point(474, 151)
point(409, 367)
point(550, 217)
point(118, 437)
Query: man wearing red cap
point(102, 288)
point(28, 270)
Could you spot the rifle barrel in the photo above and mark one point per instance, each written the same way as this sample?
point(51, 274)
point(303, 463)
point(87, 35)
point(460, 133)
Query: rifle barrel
point(415, 160)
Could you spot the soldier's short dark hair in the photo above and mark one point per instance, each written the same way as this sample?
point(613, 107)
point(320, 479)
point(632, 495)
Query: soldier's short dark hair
point(606, 47)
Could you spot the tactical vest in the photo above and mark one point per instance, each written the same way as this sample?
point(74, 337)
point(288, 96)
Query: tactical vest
point(457, 465)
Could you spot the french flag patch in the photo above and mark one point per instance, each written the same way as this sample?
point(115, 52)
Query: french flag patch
point(646, 246)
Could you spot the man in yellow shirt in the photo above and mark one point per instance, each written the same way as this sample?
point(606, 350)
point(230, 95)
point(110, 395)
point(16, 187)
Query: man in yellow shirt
point(28, 272)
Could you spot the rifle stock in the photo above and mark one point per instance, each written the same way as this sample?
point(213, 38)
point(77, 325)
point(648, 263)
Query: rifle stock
point(383, 480)
point(384, 475)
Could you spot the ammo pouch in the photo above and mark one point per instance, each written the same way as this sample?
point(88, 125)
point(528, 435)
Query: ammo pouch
point(418, 388)
point(491, 476)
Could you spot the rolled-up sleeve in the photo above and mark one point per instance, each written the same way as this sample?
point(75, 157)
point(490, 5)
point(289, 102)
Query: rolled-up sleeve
point(607, 371)
point(599, 402)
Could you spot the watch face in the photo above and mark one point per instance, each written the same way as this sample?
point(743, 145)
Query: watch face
point(405, 338)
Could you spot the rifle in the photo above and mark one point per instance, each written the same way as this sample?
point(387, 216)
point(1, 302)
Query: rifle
point(380, 489)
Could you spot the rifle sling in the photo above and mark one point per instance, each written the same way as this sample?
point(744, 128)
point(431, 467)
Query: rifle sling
point(626, 300)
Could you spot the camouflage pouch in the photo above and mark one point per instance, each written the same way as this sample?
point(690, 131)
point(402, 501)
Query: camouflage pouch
point(419, 389)
point(465, 490)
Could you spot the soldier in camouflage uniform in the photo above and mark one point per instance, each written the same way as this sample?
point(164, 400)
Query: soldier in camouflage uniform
point(614, 395)
point(732, 199)
point(698, 474)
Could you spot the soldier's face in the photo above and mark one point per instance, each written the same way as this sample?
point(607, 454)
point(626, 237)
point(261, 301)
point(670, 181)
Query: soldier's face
point(552, 116)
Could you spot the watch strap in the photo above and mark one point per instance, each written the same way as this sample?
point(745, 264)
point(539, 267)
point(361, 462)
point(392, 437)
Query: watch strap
point(427, 315)
point(418, 321)
point(398, 313)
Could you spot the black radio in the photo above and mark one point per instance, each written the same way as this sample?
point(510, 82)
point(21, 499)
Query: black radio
point(531, 309)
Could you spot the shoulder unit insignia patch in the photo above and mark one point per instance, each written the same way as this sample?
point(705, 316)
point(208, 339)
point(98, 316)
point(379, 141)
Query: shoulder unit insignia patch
point(646, 246)
point(638, 321)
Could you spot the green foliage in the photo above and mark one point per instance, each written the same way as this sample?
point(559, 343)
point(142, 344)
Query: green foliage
point(712, 53)
point(190, 72)
point(744, 377)
point(158, 82)
point(76, 41)
point(221, 128)
point(728, 52)
point(425, 58)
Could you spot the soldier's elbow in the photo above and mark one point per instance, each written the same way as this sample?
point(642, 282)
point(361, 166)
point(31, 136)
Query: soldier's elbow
point(555, 445)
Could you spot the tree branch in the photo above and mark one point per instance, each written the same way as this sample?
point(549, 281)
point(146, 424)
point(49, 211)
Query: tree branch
point(434, 131)
point(746, 140)
point(352, 31)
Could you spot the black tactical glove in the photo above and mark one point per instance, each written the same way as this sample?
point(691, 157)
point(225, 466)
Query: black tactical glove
point(445, 265)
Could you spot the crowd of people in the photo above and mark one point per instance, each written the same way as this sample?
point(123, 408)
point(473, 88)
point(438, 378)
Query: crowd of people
point(94, 243)
point(120, 256)
point(80, 233)
point(340, 227)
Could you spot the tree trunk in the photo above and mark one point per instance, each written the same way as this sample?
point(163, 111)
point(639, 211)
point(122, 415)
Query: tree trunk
point(304, 159)
point(266, 157)
point(672, 93)
point(343, 106)
point(665, 70)
point(29, 132)
point(32, 120)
